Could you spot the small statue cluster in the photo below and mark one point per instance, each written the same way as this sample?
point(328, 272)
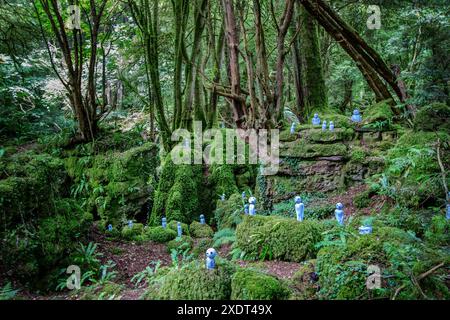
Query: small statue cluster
point(356, 117)
point(339, 213)
point(316, 120)
point(110, 227)
point(179, 230)
point(164, 222)
point(299, 208)
point(252, 206)
point(210, 256)
point(202, 219)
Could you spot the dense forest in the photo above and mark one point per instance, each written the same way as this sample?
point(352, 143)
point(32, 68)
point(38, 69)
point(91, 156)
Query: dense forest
point(347, 102)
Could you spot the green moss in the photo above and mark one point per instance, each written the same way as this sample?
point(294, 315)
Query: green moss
point(180, 243)
point(194, 282)
point(304, 150)
point(278, 238)
point(107, 291)
point(304, 281)
point(222, 177)
point(160, 234)
point(198, 230)
point(248, 284)
point(378, 116)
point(178, 194)
point(228, 213)
point(133, 233)
point(438, 232)
point(174, 226)
point(343, 267)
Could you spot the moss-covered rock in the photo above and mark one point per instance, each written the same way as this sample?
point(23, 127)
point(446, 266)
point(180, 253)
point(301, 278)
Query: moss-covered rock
point(248, 284)
point(194, 282)
point(198, 230)
point(343, 268)
point(278, 238)
point(160, 234)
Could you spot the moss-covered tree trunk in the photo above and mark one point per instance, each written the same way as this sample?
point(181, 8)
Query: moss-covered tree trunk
point(313, 80)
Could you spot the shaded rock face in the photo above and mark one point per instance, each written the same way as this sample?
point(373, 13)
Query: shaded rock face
point(312, 161)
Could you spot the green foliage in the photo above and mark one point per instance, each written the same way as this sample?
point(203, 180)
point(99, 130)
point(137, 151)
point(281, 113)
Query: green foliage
point(362, 200)
point(378, 116)
point(228, 213)
point(248, 284)
point(117, 185)
point(278, 238)
point(180, 243)
point(198, 230)
point(434, 117)
point(342, 266)
point(224, 236)
point(412, 174)
point(194, 282)
point(438, 232)
point(134, 233)
point(160, 234)
point(7, 292)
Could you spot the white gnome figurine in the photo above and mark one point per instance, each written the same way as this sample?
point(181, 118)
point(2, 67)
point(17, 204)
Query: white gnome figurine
point(299, 208)
point(252, 206)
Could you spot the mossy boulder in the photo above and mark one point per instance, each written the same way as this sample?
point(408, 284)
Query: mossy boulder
point(198, 230)
point(194, 282)
point(343, 269)
point(133, 233)
point(278, 238)
point(160, 234)
point(304, 150)
point(248, 284)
